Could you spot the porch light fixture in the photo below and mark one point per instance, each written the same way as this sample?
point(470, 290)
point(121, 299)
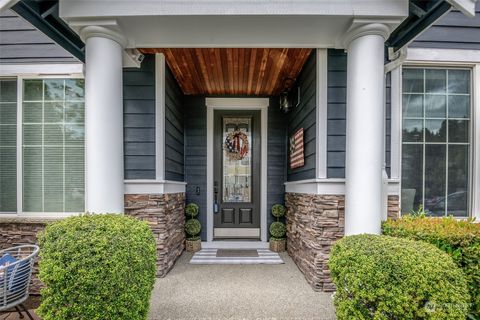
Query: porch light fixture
point(288, 101)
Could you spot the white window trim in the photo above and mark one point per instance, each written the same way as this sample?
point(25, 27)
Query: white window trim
point(27, 72)
point(158, 185)
point(452, 58)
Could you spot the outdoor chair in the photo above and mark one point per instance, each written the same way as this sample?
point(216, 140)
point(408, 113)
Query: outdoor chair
point(16, 266)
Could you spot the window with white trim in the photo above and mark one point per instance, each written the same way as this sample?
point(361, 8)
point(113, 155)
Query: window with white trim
point(8, 145)
point(51, 172)
point(436, 140)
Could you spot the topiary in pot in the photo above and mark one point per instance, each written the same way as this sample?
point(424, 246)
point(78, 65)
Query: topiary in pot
point(193, 228)
point(191, 210)
point(277, 229)
point(278, 211)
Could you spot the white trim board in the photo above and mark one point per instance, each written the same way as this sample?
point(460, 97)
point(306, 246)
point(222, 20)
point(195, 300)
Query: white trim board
point(234, 244)
point(450, 56)
point(59, 70)
point(475, 143)
point(213, 104)
point(154, 186)
point(160, 116)
point(321, 113)
point(330, 186)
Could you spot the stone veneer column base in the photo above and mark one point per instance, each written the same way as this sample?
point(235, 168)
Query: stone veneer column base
point(393, 207)
point(314, 223)
point(165, 213)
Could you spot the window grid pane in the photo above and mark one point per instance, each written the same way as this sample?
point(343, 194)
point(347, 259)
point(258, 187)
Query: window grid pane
point(444, 116)
point(8, 145)
point(53, 145)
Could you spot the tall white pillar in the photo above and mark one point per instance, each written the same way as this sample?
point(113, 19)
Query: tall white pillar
point(365, 129)
point(103, 120)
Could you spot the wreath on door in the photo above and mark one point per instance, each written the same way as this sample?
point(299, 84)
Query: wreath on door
point(236, 145)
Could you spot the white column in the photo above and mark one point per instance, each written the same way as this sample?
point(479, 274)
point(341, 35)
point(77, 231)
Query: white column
point(103, 120)
point(365, 129)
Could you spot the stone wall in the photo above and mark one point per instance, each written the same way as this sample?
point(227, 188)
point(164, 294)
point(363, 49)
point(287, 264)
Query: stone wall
point(393, 207)
point(22, 231)
point(165, 215)
point(314, 223)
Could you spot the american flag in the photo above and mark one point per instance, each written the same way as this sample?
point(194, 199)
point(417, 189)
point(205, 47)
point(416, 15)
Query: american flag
point(296, 150)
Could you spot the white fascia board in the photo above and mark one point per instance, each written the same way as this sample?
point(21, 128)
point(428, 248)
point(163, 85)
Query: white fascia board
point(59, 69)
point(467, 7)
point(154, 187)
point(7, 4)
point(106, 8)
point(330, 186)
point(430, 55)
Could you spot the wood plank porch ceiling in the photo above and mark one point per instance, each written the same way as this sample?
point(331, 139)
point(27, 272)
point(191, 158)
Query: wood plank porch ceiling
point(233, 71)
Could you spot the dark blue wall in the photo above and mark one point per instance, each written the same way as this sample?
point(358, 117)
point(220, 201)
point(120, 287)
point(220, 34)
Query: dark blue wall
point(174, 129)
point(304, 116)
point(277, 156)
point(196, 155)
point(139, 120)
point(337, 109)
point(20, 42)
point(336, 113)
point(139, 123)
point(453, 31)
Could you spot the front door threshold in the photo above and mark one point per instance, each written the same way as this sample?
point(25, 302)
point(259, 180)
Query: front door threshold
point(235, 244)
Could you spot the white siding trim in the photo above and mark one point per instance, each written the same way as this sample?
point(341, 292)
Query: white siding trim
point(59, 70)
point(237, 104)
point(159, 117)
point(330, 186)
point(154, 187)
point(321, 113)
point(396, 123)
point(450, 56)
point(475, 143)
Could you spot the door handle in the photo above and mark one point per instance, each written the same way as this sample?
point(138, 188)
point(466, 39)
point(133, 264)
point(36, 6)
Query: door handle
point(215, 199)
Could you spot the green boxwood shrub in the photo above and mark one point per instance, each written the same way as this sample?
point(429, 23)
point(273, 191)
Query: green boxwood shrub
point(278, 230)
point(459, 238)
point(191, 210)
point(193, 228)
point(278, 210)
point(97, 267)
point(382, 277)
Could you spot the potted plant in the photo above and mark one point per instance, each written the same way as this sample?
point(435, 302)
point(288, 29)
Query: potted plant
point(192, 228)
point(278, 242)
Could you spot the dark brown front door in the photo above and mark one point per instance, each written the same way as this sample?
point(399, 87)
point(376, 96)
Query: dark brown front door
point(237, 175)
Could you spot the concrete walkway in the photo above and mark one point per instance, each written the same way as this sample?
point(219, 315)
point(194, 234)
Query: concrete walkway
point(237, 292)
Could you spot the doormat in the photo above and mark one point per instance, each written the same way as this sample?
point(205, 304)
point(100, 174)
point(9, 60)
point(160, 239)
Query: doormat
point(213, 256)
point(237, 253)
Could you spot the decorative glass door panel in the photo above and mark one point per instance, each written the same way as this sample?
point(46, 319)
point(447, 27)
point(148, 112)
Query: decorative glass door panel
point(237, 160)
point(236, 174)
